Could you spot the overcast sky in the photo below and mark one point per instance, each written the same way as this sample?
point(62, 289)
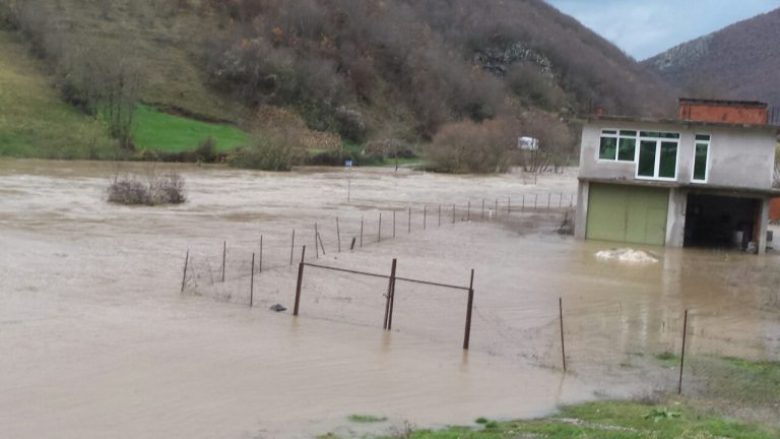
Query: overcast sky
point(644, 28)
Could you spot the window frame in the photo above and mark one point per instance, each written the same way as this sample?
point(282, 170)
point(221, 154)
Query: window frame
point(696, 143)
point(606, 132)
point(657, 164)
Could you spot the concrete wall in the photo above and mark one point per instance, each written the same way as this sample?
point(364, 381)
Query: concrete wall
point(740, 158)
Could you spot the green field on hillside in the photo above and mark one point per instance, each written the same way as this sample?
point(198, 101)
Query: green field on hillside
point(34, 122)
point(161, 132)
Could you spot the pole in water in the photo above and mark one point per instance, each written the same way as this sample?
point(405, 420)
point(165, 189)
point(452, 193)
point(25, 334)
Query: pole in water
point(536, 199)
point(682, 352)
point(469, 308)
point(292, 247)
point(224, 256)
point(522, 208)
point(316, 242)
point(252, 283)
point(338, 233)
point(390, 287)
point(184, 276)
point(300, 282)
point(394, 212)
point(322, 244)
point(563, 345)
point(392, 296)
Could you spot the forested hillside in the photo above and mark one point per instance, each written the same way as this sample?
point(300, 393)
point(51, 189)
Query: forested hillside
point(363, 69)
point(741, 61)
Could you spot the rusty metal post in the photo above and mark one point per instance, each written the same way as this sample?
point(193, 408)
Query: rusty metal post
point(300, 282)
point(338, 233)
point(563, 345)
point(184, 276)
point(470, 306)
point(322, 244)
point(392, 296)
point(224, 256)
point(292, 247)
point(252, 283)
point(390, 287)
point(682, 352)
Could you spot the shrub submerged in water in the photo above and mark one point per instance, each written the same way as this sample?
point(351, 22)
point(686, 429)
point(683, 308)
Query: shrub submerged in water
point(132, 191)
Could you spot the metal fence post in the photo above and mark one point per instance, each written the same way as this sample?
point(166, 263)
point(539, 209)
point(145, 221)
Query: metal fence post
point(682, 352)
point(300, 282)
point(184, 276)
point(470, 306)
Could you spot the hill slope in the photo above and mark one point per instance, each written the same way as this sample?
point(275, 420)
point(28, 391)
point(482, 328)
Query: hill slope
point(741, 61)
point(365, 69)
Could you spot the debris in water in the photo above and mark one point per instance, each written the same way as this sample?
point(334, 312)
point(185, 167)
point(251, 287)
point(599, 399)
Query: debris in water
point(627, 255)
point(278, 308)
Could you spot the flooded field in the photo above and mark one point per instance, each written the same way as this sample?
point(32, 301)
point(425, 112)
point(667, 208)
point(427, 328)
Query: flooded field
point(99, 342)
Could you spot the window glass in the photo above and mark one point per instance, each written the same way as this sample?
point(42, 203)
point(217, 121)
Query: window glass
point(703, 137)
point(659, 135)
point(700, 161)
point(608, 148)
point(668, 164)
point(627, 133)
point(626, 149)
point(647, 158)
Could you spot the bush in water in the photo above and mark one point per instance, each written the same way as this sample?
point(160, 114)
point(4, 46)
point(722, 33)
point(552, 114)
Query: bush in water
point(132, 191)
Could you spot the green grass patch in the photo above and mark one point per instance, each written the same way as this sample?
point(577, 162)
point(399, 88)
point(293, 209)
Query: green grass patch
point(161, 132)
point(366, 419)
point(611, 420)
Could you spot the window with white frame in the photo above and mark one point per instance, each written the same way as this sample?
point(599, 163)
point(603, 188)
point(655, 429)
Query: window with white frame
point(657, 158)
point(618, 145)
point(701, 158)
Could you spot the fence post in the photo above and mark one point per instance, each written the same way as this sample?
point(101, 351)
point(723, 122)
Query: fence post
point(563, 345)
point(322, 244)
point(361, 231)
point(184, 276)
point(252, 283)
point(224, 256)
point(338, 233)
point(292, 247)
point(390, 288)
point(316, 242)
point(392, 298)
point(300, 282)
point(379, 232)
point(470, 306)
point(682, 352)
point(571, 201)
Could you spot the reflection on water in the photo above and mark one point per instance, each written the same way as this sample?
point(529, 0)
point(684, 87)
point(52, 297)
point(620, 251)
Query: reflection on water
point(96, 332)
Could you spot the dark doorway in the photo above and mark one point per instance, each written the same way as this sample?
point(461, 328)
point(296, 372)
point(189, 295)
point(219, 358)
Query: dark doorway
point(720, 222)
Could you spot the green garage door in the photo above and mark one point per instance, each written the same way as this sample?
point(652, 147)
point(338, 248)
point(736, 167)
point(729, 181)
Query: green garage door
point(631, 214)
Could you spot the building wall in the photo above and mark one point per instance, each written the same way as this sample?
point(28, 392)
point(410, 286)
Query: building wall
point(737, 114)
point(738, 157)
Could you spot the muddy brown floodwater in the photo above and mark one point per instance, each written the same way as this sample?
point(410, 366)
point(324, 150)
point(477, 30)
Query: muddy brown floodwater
point(98, 342)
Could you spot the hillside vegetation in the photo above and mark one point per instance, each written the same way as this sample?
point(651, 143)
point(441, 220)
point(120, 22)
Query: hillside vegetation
point(741, 61)
point(388, 72)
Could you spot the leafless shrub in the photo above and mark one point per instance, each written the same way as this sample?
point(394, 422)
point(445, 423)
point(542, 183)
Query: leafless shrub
point(272, 150)
point(471, 147)
point(132, 190)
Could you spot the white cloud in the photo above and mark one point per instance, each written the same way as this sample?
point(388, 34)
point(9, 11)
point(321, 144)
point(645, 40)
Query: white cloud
point(644, 28)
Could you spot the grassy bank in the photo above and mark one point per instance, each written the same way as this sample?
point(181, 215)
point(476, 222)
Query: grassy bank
point(166, 133)
point(610, 420)
point(34, 122)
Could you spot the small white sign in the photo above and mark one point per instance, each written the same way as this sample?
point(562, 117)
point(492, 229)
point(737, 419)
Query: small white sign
point(528, 143)
point(348, 163)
